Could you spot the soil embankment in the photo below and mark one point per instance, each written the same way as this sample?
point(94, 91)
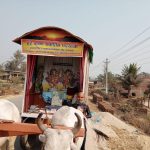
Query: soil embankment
point(121, 135)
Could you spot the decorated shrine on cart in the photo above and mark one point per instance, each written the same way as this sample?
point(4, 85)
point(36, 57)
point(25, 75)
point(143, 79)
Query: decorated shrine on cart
point(56, 61)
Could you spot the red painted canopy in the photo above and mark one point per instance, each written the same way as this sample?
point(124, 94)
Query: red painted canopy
point(55, 34)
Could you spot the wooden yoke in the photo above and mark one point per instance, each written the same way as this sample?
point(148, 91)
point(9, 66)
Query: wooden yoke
point(10, 128)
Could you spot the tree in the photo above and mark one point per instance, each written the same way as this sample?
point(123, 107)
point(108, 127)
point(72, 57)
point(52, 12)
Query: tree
point(10, 65)
point(130, 77)
point(23, 67)
point(16, 62)
point(102, 77)
point(112, 79)
point(113, 83)
point(1, 67)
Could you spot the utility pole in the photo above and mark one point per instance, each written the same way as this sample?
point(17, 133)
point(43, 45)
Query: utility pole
point(106, 72)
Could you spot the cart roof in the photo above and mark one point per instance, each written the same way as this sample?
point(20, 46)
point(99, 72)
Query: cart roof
point(42, 34)
point(51, 33)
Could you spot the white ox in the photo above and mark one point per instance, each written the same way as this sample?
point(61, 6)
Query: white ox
point(57, 139)
point(8, 111)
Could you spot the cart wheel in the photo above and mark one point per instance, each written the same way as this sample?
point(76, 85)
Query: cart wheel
point(30, 142)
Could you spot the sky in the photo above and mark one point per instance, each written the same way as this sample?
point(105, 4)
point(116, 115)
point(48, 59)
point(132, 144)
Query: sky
point(117, 29)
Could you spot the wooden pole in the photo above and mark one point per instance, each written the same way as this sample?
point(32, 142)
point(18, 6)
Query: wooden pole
point(15, 129)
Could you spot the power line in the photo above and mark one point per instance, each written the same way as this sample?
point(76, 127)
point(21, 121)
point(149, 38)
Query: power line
point(145, 63)
point(138, 44)
point(120, 63)
point(139, 64)
point(134, 46)
point(97, 65)
point(137, 52)
point(143, 59)
point(134, 61)
point(129, 57)
point(126, 44)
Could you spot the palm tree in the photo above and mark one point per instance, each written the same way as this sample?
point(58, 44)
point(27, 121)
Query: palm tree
point(130, 77)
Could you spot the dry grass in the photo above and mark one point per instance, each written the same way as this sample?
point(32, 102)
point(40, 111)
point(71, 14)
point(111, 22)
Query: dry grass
point(10, 88)
point(129, 110)
point(138, 122)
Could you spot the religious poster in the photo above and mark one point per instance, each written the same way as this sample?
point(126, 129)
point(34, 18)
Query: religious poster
point(57, 74)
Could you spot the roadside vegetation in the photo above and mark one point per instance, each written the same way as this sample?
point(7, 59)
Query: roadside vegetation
point(12, 74)
point(128, 96)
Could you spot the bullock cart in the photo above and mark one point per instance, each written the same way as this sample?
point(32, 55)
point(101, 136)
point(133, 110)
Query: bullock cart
point(57, 61)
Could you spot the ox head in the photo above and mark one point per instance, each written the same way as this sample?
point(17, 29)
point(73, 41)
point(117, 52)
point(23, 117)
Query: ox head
point(57, 139)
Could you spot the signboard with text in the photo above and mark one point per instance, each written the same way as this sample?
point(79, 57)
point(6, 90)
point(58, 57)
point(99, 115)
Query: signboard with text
point(52, 48)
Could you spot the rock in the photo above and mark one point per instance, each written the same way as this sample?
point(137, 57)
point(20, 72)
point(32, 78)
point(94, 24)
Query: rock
point(97, 97)
point(105, 107)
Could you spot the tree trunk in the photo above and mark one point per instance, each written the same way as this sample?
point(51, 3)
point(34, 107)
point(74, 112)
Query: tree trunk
point(129, 93)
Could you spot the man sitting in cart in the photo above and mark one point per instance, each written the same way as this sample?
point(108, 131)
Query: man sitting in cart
point(78, 103)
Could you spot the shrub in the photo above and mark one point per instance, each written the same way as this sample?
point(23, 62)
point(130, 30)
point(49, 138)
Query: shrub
point(126, 108)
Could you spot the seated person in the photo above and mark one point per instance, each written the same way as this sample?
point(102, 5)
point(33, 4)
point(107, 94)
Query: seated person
point(78, 103)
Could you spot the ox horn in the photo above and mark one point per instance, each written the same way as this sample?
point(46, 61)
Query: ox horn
point(40, 124)
point(78, 124)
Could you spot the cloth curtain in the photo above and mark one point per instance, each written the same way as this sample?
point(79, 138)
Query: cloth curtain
point(31, 61)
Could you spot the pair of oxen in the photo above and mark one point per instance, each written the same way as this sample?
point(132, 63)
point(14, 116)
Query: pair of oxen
point(52, 138)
